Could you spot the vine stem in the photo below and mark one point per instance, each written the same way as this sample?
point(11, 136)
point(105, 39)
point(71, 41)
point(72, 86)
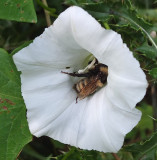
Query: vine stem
point(48, 20)
point(115, 156)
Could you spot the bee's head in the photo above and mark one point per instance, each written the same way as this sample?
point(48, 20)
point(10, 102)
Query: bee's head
point(103, 70)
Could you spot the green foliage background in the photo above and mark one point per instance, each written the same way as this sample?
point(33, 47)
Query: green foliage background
point(21, 21)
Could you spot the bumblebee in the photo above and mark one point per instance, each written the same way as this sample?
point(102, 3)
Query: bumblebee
point(94, 79)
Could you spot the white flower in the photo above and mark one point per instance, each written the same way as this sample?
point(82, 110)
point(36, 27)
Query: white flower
point(99, 121)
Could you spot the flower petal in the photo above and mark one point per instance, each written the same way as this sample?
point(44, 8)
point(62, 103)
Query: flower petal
point(46, 98)
point(126, 80)
point(125, 92)
point(93, 123)
point(55, 48)
point(97, 122)
point(109, 124)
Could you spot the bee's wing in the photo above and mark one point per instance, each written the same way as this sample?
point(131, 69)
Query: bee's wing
point(89, 88)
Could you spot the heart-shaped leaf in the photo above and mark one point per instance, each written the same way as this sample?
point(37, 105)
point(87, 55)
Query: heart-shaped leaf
point(14, 132)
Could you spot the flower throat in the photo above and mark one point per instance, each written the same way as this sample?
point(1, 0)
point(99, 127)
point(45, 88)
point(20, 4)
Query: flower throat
point(95, 78)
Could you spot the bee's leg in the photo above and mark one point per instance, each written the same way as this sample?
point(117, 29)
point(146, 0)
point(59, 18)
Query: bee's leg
point(77, 75)
point(76, 99)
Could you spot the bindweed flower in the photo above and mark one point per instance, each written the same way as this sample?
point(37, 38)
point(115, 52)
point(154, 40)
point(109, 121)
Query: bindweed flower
point(99, 121)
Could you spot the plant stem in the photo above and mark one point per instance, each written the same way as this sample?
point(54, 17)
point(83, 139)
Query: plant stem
point(115, 156)
point(53, 10)
point(48, 20)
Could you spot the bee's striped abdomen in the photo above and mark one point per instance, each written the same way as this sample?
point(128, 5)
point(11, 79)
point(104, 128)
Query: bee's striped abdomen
point(81, 84)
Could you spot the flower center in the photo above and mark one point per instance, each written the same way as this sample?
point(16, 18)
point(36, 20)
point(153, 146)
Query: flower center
point(90, 65)
point(95, 76)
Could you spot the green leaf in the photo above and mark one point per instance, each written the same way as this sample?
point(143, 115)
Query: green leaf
point(14, 132)
point(153, 73)
point(31, 152)
point(79, 154)
point(146, 151)
point(148, 51)
point(125, 11)
point(149, 14)
point(18, 10)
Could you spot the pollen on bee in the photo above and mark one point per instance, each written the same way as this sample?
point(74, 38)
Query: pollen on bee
point(104, 69)
point(80, 85)
point(77, 86)
point(99, 83)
